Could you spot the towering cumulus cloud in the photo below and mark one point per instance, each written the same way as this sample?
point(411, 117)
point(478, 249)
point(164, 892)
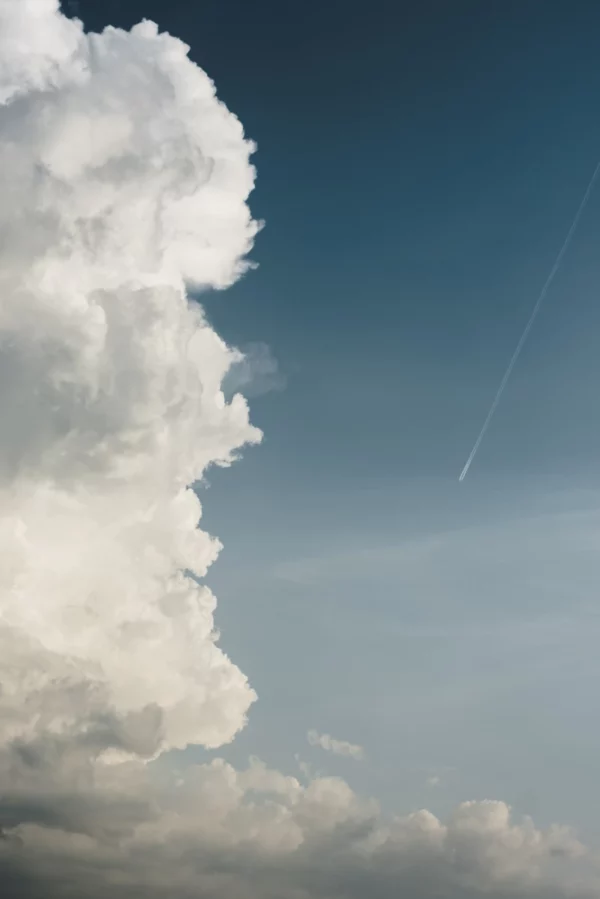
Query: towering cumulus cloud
point(123, 183)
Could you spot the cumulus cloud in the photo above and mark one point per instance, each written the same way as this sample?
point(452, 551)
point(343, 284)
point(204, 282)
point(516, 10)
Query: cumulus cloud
point(257, 834)
point(337, 747)
point(123, 184)
point(123, 180)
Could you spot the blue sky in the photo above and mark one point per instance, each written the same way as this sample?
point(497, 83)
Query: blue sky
point(418, 167)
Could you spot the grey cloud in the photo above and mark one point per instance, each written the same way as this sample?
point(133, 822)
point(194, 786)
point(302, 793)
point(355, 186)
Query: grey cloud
point(257, 834)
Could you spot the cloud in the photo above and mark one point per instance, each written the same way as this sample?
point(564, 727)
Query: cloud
point(436, 776)
point(337, 747)
point(123, 180)
point(254, 372)
point(124, 183)
point(535, 566)
point(256, 834)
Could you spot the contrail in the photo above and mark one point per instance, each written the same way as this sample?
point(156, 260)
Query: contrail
point(529, 324)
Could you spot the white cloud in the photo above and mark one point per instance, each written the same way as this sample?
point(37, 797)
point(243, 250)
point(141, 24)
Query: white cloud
point(123, 181)
point(337, 747)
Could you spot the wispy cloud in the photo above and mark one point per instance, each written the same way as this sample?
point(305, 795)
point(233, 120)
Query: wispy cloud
point(254, 372)
point(336, 747)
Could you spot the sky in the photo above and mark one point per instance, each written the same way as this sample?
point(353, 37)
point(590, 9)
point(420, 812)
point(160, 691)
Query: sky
point(391, 636)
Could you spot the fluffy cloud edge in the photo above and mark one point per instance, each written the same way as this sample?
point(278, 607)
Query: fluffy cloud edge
point(214, 831)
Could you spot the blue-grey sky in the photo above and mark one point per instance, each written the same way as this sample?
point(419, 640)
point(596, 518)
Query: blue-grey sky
point(418, 167)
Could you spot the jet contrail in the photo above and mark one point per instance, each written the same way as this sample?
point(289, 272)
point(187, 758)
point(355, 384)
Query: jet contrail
point(529, 324)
